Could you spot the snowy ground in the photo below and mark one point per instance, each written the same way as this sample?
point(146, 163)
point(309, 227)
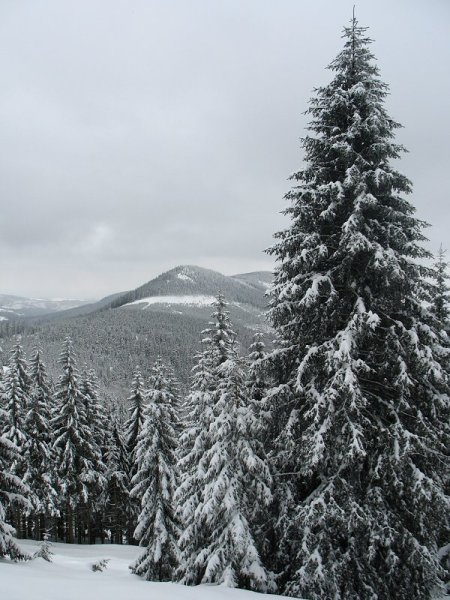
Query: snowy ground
point(198, 300)
point(69, 577)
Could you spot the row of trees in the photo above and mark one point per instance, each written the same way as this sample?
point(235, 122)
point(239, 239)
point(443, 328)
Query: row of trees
point(64, 451)
point(320, 467)
point(173, 475)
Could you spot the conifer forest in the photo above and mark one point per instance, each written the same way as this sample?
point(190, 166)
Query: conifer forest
point(312, 462)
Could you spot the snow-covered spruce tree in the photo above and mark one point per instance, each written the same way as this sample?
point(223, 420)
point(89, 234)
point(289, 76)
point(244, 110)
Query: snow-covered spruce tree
point(362, 448)
point(80, 467)
point(440, 299)
point(220, 332)
point(174, 389)
point(15, 402)
point(95, 410)
point(155, 482)
point(19, 362)
point(45, 548)
point(261, 426)
point(237, 479)
point(258, 382)
point(118, 480)
point(13, 493)
point(132, 429)
point(194, 440)
point(96, 417)
point(224, 474)
point(40, 457)
point(137, 402)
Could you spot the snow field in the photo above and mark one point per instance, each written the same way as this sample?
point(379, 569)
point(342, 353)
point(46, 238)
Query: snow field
point(198, 300)
point(69, 577)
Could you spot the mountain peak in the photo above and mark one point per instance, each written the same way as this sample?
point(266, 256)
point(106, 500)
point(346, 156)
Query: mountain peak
point(198, 284)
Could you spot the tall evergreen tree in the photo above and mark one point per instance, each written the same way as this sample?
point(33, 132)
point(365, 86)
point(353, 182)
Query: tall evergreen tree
point(80, 466)
point(13, 493)
point(236, 483)
point(262, 427)
point(41, 467)
point(16, 389)
point(155, 482)
point(20, 365)
point(258, 382)
point(136, 402)
point(225, 474)
point(96, 417)
point(175, 390)
point(118, 480)
point(440, 298)
point(220, 332)
point(360, 393)
point(195, 440)
point(15, 402)
point(95, 410)
point(132, 429)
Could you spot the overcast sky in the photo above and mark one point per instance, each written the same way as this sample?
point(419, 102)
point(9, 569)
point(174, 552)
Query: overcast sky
point(140, 135)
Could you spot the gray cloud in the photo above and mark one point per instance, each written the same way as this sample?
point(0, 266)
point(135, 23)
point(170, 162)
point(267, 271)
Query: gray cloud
point(141, 135)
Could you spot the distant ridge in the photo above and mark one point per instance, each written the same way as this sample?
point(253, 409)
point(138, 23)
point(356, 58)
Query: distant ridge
point(163, 317)
point(17, 307)
point(190, 280)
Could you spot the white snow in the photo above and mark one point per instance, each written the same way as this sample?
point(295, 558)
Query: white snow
point(198, 300)
point(70, 577)
point(184, 275)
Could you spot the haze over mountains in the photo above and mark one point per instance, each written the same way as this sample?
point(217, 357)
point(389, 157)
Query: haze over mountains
point(164, 317)
point(16, 307)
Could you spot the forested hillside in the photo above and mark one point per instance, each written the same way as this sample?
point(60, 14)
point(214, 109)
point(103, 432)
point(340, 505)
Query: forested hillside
point(114, 336)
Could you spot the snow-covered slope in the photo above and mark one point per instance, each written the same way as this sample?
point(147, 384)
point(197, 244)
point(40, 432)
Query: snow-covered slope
point(259, 279)
point(189, 281)
point(198, 300)
point(69, 577)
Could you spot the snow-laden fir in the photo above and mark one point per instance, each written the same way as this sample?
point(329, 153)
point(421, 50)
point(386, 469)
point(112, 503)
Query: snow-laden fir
point(223, 470)
point(361, 386)
point(132, 429)
point(38, 450)
point(155, 482)
point(79, 462)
